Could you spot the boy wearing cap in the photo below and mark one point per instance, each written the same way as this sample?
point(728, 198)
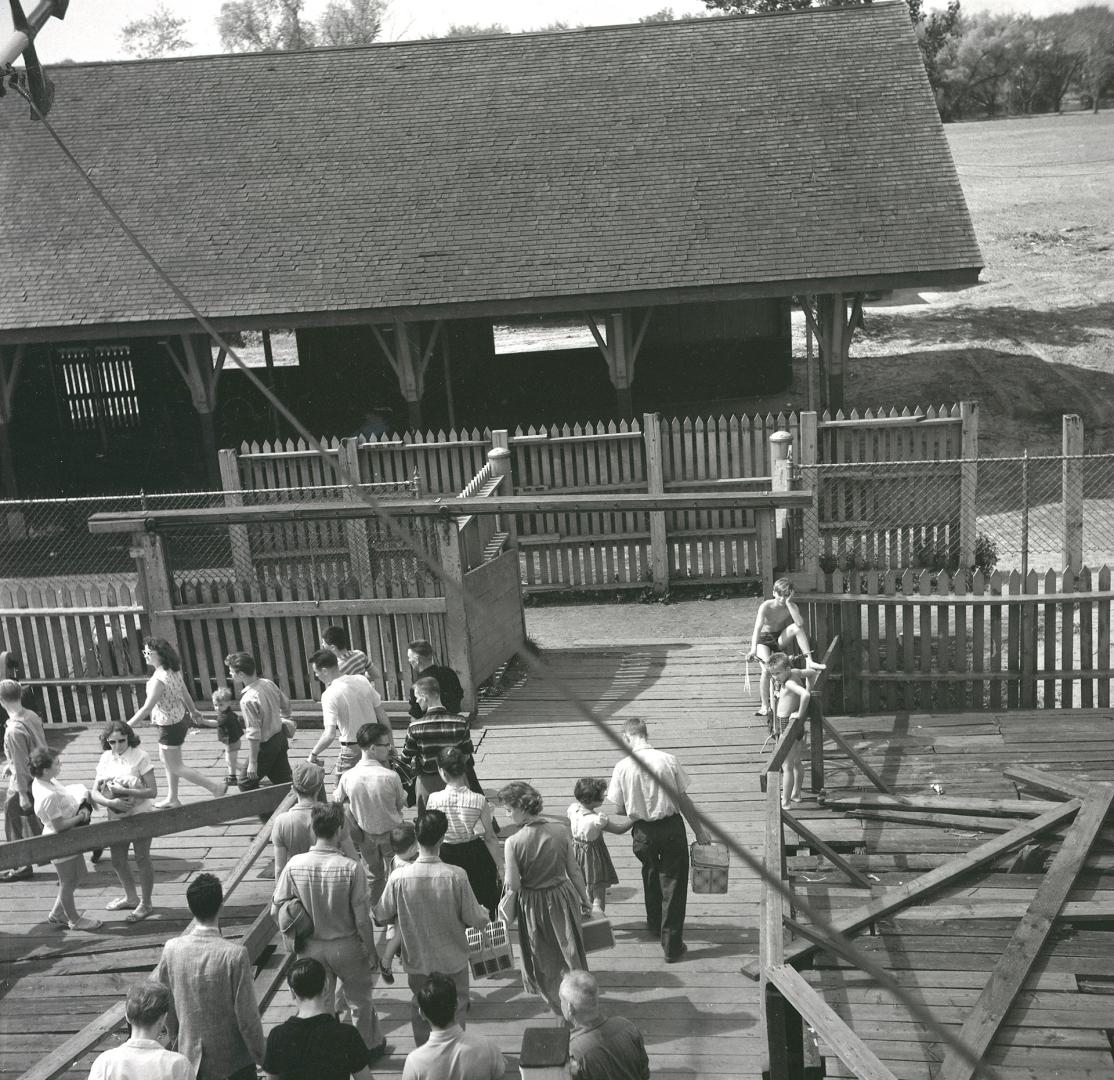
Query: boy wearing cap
point(292, 833)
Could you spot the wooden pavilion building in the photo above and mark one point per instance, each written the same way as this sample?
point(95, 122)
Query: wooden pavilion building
point(678, 186)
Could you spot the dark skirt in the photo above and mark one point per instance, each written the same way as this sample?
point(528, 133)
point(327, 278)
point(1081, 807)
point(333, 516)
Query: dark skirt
point(550, 939)
point(595, 862)
point(475, 860)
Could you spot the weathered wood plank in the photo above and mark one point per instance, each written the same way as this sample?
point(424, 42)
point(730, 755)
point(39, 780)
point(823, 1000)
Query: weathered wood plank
point(1020, 954)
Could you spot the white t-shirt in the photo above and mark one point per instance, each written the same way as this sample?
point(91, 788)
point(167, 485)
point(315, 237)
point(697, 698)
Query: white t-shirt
point(131, 765)
point(640, 797)
point(348, 703)
point(375, 794)
point(142, 1059)
point(585, 824)
point(55, 800)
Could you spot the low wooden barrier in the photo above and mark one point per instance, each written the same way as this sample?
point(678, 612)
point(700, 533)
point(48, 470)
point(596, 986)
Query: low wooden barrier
point(262, 932)
point(103, 834)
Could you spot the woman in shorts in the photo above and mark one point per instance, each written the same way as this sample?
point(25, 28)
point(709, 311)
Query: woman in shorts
point(170, 708)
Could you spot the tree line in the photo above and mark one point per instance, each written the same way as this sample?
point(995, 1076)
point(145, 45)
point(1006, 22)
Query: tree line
point(979, 65)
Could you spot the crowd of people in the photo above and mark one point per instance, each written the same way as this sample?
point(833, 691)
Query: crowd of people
point(400, 856)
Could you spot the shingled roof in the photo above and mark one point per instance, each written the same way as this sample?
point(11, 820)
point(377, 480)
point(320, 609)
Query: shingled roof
point(754, 155)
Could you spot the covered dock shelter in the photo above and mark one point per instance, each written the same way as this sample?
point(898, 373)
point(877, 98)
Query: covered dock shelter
point(678, 186)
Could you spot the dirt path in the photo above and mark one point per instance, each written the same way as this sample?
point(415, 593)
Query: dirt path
point(729, 621)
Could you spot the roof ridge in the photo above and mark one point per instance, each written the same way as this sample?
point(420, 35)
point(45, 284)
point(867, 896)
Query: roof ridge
point(694, 24)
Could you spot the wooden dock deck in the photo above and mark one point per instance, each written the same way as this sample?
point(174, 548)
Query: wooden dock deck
point(701, 1018)
point(944, 949)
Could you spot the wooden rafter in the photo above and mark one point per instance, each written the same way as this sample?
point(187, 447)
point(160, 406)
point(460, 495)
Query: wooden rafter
point(9, 376)
point(1013, 966)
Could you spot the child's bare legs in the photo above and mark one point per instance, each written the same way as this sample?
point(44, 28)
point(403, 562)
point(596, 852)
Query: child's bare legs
point(793, 632)
point(764, 653)
point(598, 895)
point(791, 775)
point(232, 757)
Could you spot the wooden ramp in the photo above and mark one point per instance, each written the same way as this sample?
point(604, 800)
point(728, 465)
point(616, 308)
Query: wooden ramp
point(945, 948)
point(701, 1017)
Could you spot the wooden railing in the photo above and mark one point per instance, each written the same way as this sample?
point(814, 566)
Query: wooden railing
point(936, 642)
point(797, 1019)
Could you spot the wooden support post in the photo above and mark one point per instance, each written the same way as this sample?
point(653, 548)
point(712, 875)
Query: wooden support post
point(837, 355)
point(10, 364)
point(851, 634)
point(807, 458)
point(458, 638)
point(781, 449)
point(407, 374)
point(1019, 956)
point(355, 531)
point(968, 481)
point(622, 375)
point(767, 548)
point(813, 359)
point(902, 895)
point(156, 586)
point(242, 564)
point(655, 485)
point(1073, 493)
point(195, 365)
point(502, 465)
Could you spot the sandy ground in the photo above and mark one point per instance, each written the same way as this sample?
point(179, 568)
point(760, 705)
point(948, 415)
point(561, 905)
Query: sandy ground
point(729, 621)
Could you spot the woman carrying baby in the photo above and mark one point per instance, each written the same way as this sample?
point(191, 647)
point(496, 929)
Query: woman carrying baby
point(126, 785)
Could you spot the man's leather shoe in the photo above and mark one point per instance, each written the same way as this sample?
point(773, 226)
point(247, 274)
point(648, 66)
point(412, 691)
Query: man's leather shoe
point(677, 956)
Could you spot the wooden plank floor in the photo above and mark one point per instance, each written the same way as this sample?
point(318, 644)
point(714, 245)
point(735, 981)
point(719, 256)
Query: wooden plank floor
point(1060, 1025)
point(701, 1018)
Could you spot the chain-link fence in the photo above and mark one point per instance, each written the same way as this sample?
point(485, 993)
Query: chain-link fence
point(47, 550)
point(1024, 513)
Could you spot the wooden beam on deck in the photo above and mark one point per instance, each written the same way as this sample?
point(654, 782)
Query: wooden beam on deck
point(1052, 783)
point(918, 888)
point(103, 834)
point(828, 1024)
point(845, 746)
point(837, 860)
point(628, 502)
point(1016, 961)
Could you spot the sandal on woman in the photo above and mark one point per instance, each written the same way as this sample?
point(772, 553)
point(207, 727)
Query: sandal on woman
point(121, 903)
point(57, 920)
point(144, 911)
point(167, 804)
point(82, 923)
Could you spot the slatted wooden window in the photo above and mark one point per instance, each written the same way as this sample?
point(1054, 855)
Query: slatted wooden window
point(100, 389)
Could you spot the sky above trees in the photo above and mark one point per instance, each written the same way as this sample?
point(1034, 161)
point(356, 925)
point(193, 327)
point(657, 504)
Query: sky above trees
point(91, 30)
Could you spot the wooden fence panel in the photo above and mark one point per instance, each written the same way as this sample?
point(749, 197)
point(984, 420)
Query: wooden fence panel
point(937, 642)
point(81, 647)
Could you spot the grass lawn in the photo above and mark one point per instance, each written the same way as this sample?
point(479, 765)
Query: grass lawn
point(1036, 338)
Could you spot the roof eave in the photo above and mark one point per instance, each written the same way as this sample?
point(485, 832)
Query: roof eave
point(538, 305)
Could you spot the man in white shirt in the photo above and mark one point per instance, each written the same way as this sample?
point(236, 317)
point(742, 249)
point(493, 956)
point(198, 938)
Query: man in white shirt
point(349, 702)
point(450, 1053)
point(659, 838)
point(142, 1057)
point(375, 800)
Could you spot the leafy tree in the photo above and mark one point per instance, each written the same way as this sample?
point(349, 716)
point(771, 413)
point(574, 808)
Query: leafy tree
point(264, 25)
point(1092, 35)
point(160, 33)
point(351, 22)
point(756, 7)
point(664, 15)
point(465, 30)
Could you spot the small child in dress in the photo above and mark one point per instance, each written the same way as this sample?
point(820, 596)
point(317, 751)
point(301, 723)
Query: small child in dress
point(230, 729)
point(587, 840)
point(404, 843)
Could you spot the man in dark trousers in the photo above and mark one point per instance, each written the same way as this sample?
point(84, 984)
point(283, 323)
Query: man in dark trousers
point(658, 834)
point(420, 655)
